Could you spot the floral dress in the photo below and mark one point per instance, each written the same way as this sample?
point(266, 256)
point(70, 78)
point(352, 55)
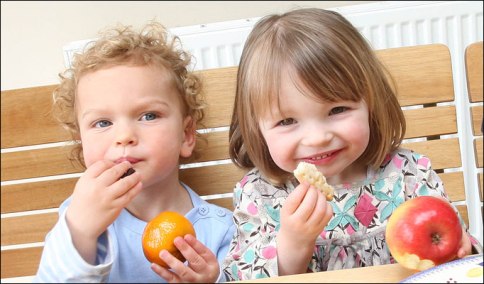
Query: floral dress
point(355, 235)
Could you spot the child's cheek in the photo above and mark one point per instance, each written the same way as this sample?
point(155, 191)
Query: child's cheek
point(92, 152)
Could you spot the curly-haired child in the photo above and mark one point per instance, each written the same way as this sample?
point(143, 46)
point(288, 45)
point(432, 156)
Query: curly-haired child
point(132, 103)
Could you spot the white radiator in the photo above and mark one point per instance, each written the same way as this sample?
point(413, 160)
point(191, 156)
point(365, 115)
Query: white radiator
point(385, 25)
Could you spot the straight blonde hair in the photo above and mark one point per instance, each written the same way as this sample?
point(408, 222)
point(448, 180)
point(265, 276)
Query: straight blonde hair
point(332, 60)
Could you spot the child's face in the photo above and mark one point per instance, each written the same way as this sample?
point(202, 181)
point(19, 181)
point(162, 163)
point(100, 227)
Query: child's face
point(330, 135)
point(133, 113)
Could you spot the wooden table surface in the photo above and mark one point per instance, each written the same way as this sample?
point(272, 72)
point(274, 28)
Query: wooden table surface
point(389, 273)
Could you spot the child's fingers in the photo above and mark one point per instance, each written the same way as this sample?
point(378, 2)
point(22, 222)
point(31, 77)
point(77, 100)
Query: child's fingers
point(319, 208)
point(296, 197)
point(195, 260)
point(202, 254)
point(113, 174)
point(124, 196)
point(164, 273)
point(323, 210)
point(123, 186)
point(465, 245)
point(329, 212)
point(179, 269)
point(308, 204)
point(98, 168)
point(202, 263)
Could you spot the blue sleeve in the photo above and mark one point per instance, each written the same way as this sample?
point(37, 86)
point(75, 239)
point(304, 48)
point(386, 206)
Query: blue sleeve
point(223, 250)
point(61, 262)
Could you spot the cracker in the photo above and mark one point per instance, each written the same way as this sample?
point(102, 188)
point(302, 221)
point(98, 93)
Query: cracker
point(308, 172)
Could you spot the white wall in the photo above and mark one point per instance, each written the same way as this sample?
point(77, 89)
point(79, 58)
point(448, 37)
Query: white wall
point(34, 32)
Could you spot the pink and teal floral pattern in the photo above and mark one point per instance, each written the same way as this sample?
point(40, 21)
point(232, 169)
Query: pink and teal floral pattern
point(354, 237)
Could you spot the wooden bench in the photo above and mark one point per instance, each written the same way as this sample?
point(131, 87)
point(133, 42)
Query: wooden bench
point(473, 63)
point(36, 179)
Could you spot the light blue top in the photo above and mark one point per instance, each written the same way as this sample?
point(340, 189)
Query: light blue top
point(120, 255)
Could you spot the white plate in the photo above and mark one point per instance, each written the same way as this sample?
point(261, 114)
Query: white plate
point(464, 270)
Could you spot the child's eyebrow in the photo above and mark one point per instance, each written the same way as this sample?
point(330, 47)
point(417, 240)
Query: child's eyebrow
point(89, 111)
point(144, 104)
point(154, 102)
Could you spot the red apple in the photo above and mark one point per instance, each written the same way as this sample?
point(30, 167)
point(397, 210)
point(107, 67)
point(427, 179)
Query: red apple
point(423, 232)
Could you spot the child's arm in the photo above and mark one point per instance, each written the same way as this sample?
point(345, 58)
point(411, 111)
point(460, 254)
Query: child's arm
point(98, 198)
point(71, 249)
point(303, 217)
point(254, 251)
point(60, 261)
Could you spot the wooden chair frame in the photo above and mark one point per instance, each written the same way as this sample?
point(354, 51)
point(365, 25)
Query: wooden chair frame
point(474, 76)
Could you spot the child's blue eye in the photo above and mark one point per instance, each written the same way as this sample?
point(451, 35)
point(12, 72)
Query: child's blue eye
point(149, 116)
point(338, 110)
point(103, 123)
point(287, 121)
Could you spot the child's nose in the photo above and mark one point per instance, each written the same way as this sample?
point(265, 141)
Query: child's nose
point(126, 136)
point(318, 136)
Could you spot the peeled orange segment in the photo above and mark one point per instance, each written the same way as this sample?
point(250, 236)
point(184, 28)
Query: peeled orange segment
point(308, 172)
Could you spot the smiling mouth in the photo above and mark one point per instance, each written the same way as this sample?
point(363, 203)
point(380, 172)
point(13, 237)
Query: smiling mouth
point(317, 158)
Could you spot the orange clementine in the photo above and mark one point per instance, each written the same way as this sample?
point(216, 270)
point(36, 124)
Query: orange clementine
point(160, 233)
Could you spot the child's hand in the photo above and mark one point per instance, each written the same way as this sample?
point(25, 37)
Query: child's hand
point(202, 266)
point(97, 200)
point(465, 245)
point(304, 215)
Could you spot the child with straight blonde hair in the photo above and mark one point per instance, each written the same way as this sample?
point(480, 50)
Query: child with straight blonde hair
point(132, 102)
point(310, 89)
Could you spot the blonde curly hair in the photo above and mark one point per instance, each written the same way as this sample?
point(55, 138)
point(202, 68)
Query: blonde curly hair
point(120, 45)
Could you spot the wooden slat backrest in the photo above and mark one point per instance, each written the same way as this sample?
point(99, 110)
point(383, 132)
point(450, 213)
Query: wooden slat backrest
point(474, 72)
point(423, 75)
point(31, 107)
point(474, 75)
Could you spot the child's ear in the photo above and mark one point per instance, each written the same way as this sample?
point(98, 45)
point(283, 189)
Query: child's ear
point(189, 137)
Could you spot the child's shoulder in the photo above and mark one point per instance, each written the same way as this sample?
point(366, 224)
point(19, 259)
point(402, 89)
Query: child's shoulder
point(403, 159)
point(250, 177)
point(255, 176)
point(257, 186)
point(214, 212)
point(203, 210)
